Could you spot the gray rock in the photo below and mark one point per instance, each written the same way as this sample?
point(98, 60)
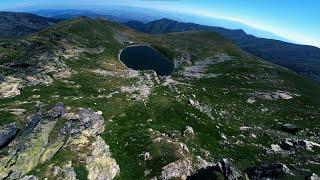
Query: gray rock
point(227, 170)
point(33, 121)
point(313, 177)
point(265, 171)
point(24, 155)
point(85, 120)
point(57, 111)
point(188, 131)
point(29, 177)
point(221, 169)
point(287, 144)
point(7, 133)
point(17, 112)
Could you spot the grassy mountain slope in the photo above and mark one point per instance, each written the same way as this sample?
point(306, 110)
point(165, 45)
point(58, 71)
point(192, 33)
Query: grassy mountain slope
point(302, 59)
point(228, 97)
point(14, 25)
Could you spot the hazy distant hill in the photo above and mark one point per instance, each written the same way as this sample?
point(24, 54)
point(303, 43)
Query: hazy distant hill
point(302, 59)
point(14, 25)
point(92, 16)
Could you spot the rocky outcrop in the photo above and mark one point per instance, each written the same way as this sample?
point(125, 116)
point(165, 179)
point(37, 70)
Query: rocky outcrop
point(284, 95)
point(10, 87)
point(266, 171)
point(86, 122)
point(227, 170)
point(7, 133)
point(141, 89)
point(64, 172)
point(35, 147)
point(84, 129)
point(222, 168)
point(199, 69)
point(188, 131)
point(29, 177)
point(313, 177)
point(179, 169)
point(25, 154)
point(17, 112)
point(288, 145)
point(99, 163)
point(52, 148)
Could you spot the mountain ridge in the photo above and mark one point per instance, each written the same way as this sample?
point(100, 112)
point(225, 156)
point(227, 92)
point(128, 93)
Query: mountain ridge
point(15, 25)
point(303, 59)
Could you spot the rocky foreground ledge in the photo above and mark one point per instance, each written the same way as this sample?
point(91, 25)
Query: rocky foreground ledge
point(46, 133)
point(42, 138)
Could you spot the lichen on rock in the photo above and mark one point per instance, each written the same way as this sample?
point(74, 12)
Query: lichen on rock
point(26, 153)
point(99, 163)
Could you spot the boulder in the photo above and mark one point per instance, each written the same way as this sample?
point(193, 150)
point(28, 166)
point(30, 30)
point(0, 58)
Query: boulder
point(290, 128)
point(7, 133)
point(33, 122)
point(313, 177)
point(288, 144)
point(17, 112)
point(180, 169)
point(265, 171)
point(57, 111)
point(29, 177)
point(188, 131)
point(65, 172)
point(221, 169)
point(100, 164)
point(227, 170)
point(85, 122)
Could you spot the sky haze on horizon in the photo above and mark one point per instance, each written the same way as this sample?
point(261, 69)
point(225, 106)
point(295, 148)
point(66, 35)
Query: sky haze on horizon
point(295, 20)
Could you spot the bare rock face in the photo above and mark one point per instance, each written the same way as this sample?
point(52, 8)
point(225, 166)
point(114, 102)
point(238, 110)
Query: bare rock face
point(25, 154)
point(288, 145)
point(222, 168)
point(314, 177)
point(188, 131)
point(7, 133)
point(179, 169)
point(64, 172)
point(99, 164)
point(85, 122)
point(29, 177)
point(227, 170)
point(266, 171)
point(84, 129)
point(10, 87)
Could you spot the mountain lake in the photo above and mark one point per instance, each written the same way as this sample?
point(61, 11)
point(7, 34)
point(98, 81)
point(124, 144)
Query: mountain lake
point(143, 57)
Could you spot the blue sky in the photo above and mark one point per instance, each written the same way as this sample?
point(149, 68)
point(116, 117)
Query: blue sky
point(297, 20)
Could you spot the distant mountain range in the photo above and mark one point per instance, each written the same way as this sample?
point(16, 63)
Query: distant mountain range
point(302, 59)
point(71, 13)
point(14, 25)
point(125, 13)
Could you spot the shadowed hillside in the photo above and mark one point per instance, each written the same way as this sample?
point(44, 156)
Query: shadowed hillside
point(14, 25)
point(302, 59)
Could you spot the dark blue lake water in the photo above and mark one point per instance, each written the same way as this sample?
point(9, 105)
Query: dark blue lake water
point(146, 58)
